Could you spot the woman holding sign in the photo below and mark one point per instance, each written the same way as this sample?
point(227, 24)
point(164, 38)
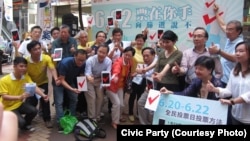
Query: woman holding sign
point(138, 84)
point(237, 86)
point(204, 67)
point(120, 71)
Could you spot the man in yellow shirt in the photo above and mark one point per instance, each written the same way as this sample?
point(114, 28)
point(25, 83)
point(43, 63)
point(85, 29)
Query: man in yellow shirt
point(82, 38)
point(37, 70)
point(13, 95)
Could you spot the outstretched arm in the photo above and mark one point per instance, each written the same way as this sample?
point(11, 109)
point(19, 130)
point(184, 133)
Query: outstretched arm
point(218, 17)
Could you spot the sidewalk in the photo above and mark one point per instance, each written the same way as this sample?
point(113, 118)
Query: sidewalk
point(6, 69)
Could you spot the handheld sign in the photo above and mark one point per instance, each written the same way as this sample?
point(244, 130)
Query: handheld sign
point(15, 35)
point(184, 110)
point(91, 21)
point(106, 78)
point(110, 21)
point(118, 14)
point(152, 99)
point(149, 83)
point(152, 36)
point(160, 32)
point(57, 54)
point(82, 83)
point(30, 88)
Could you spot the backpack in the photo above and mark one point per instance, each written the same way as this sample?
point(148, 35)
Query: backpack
point(89, 129)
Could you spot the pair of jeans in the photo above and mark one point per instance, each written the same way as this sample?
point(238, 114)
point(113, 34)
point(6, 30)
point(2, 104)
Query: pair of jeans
point(29, 113)
point(58, 92)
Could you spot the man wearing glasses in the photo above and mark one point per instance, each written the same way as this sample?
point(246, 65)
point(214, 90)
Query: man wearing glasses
point(233, 30)
point(200, 36)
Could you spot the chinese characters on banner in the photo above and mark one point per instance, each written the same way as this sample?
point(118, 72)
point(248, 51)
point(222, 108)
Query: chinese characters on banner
point(8, 8)
point(178, 15)
point(44, 18)
point(183, 110)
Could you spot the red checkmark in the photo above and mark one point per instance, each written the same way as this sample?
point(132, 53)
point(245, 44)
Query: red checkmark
point(15, 37)
point(90, 20)
point(152, 36)
point(190, 34)
point(81, 83)
point(208, 19)
point(151, 100)
point(110, 21)
point(105, 79)
point(118, 15)
point(208, 4)
point(150, 86)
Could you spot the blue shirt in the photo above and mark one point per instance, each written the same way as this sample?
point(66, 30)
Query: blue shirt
point(67, 68)
point(65, 46)
point(227, 65)
point(94, 67)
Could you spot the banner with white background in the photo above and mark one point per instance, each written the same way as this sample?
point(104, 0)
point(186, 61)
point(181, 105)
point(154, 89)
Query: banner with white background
point(181, 16)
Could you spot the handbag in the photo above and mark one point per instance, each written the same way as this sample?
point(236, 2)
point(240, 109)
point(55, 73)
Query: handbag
point(68, 122)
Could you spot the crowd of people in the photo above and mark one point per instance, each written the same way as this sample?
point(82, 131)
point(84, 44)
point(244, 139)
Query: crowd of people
point(210, 73)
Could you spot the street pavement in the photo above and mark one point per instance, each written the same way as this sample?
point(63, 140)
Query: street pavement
point(44, 134)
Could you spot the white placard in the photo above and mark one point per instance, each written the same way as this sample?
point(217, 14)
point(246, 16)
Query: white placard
point(82, 83)
point(91, 21)
point(106, 77)
point(118, 14)
point(57, 56)
point(110, 21)
point(184, 110)
point(30, 88)
point(153, 36)
point(152, 99)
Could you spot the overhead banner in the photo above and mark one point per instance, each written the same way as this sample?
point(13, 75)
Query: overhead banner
point(44, 18)
point(181, 16)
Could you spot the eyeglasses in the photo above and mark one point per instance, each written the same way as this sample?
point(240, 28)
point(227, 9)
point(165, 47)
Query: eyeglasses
point(102, 36)
point(198, 36)
point(230, 29)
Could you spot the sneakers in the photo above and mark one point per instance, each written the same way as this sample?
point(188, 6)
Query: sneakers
point(29, 128)
point(48, 124)
point(131, 118)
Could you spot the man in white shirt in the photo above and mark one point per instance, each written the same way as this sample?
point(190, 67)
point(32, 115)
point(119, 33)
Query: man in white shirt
point(35, 33)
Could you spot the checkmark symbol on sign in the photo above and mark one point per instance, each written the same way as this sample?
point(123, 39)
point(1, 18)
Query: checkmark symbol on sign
point(208, 19)
point(152, 36)
point(90, 20)
point(190, 34)
point(151, 100)
point(81, 83)
point(208, 4)
point(118, 15)
point(105, 79)
point(15, 37)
